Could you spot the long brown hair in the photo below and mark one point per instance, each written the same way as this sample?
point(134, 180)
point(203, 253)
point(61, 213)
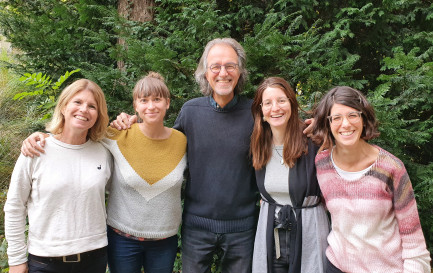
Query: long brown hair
point(295, 142)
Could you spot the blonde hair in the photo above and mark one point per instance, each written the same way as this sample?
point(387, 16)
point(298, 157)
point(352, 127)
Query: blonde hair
point(98, 130)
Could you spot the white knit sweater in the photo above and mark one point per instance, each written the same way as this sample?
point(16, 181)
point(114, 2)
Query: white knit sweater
point(63, 194)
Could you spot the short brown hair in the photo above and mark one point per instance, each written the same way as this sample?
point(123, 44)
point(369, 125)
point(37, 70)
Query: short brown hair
point(347, 96)
point(151, 85)
point(98, 130)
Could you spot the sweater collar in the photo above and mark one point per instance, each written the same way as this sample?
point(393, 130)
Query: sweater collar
point(229, 105)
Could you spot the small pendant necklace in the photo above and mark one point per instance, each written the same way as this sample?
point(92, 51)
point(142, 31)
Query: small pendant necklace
point(282, 159)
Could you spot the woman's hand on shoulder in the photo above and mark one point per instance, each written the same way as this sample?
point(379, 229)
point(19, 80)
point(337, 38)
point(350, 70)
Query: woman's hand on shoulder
point(30, 146)
point(21, 268)
point(123, 121)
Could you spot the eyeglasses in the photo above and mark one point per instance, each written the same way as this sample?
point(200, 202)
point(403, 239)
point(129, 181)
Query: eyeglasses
point(352, 117)
point(216, 68)
point(281, 102)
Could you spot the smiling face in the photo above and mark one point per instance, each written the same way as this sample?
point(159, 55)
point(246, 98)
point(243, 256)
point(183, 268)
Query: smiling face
point(81, 112)
point(152, 109)
point(278, 112)
point(222, 83)
point(347, 134)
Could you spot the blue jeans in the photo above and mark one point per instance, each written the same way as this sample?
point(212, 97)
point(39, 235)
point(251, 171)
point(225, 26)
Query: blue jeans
point(126, 255)
point(199, 246)
point(281, 264)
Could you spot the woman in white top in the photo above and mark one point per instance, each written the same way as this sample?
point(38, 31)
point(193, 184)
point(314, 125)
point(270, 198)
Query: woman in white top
point(144, 206)
point(62, 192)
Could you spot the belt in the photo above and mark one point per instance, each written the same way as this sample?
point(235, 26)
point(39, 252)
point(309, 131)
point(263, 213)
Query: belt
point(75, 258)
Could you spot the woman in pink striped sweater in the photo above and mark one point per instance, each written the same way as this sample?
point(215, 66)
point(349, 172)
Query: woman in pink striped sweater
point(375, 222)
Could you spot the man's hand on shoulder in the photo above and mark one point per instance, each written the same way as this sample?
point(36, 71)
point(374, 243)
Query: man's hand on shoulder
point(123, 121)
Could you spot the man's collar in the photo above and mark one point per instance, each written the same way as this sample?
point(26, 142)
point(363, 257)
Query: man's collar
point(229, 105)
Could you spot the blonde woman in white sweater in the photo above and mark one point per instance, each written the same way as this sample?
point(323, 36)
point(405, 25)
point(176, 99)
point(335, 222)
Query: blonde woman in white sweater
point(62, 192)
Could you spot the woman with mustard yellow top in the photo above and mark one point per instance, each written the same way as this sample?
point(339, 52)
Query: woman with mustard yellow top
point(144, 205)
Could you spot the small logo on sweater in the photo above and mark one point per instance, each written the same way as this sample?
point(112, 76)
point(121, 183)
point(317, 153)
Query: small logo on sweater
point(99, 167)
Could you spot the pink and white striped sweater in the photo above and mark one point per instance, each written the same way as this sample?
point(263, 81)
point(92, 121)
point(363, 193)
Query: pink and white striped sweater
point(375, 222)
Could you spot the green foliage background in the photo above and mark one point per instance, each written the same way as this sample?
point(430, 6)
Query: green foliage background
point(383, 48)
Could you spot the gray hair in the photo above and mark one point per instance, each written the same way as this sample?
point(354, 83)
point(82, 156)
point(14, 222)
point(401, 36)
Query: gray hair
point(200, 73)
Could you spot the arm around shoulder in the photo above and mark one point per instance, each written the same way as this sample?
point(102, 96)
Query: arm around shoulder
point(31, 147)
point(123, 121)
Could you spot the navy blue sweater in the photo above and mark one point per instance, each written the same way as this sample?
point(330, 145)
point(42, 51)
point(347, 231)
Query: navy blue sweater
point(221, 191)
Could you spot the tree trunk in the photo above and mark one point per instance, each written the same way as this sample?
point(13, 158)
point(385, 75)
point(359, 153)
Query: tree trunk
point(134, 10)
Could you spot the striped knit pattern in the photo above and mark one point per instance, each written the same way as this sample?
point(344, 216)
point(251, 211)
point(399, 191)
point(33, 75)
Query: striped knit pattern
point(375, 222)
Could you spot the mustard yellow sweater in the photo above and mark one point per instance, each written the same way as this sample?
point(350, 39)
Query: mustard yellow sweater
point(144, 198)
